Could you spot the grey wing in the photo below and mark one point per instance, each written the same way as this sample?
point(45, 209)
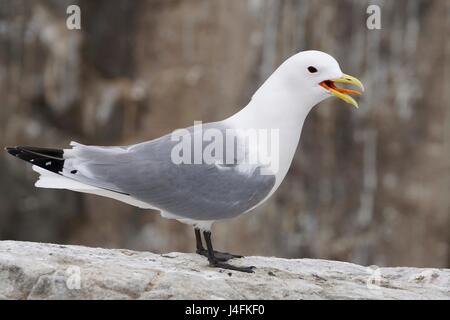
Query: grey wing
point(147, 173)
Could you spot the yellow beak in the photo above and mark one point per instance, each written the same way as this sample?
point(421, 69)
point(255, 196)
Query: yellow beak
point(344, 94)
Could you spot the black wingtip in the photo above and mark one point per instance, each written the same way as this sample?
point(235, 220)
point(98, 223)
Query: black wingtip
point(14, 151)
point(48, 159)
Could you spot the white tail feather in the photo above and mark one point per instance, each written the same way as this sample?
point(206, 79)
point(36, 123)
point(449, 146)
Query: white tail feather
point(50, 180)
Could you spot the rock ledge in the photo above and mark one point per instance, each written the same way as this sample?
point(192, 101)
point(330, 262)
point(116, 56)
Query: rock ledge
point(48, 271)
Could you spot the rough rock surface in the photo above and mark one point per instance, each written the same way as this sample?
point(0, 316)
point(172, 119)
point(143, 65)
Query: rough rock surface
point(48, 271)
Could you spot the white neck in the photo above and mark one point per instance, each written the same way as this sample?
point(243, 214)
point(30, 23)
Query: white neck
point(276, 106)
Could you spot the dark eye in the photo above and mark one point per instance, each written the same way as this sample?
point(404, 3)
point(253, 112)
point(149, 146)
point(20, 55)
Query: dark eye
point(312, 69)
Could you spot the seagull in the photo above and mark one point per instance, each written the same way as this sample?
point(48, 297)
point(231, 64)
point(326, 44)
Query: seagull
point(199, 193)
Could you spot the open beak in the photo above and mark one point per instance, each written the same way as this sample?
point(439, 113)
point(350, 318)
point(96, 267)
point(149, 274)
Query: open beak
point(344, 94)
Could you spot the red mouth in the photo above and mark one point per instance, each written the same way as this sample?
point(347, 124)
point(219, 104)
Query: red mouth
point(330, 85)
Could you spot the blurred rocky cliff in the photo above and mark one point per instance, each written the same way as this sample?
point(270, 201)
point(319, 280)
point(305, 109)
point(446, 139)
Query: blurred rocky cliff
point(370, 186)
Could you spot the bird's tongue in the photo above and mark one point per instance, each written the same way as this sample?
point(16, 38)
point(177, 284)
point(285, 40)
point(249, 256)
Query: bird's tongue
point(331, 85)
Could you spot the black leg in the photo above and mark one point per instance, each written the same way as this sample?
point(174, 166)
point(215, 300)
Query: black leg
point(221, 256)
point(198, 239)
point(214, 262)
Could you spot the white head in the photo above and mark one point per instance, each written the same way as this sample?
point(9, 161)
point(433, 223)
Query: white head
point(311, 76)
point(285, 99)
